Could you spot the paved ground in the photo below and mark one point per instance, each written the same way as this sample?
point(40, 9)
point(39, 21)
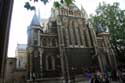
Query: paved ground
point(88, 82)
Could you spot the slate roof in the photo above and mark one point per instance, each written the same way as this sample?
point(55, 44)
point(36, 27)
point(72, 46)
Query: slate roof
point(35, 20)
point(99, 28)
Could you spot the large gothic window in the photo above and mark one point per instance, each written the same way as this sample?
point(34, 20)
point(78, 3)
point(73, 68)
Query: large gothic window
point(35, 35)
point(74, 34)
point(54, 27)
point(54, 42)
point(36, 61)
point(29, 37)
point(69, 34)
point(50, 63)
point(80, 36)
point(49, 60)
point(64, 37)
point(43, 42)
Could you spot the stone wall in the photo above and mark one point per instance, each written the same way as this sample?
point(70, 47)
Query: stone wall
point(12, 75)
point(20, 76)
point(10, 69)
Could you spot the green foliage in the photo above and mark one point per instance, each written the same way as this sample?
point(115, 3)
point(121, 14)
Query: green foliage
point(113, 18)
point(28, 6)
point(57, 4)
point(68, 2)
point(44, 1)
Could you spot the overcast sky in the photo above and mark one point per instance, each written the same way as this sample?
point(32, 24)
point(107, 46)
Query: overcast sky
point(21, 18)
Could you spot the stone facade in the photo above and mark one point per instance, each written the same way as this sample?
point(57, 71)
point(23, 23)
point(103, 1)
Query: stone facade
point(21, 56)
point(105, 52)
point(65, 47)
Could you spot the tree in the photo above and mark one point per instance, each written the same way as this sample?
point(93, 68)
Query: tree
point(113, 18)
point(57, 4)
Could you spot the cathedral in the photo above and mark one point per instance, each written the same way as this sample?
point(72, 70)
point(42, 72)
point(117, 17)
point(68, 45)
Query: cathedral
point(66, 45)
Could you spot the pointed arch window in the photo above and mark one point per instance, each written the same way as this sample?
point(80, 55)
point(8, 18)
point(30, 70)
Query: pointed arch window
point(44, 42)
point(54, 42)
point(50, 63)
point(74, 33)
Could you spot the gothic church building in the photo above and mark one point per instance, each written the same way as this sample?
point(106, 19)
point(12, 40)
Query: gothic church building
point(66, 45)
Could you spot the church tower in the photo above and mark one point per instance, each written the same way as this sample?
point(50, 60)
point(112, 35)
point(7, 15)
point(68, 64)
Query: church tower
point(65, 47)
point(33, 49)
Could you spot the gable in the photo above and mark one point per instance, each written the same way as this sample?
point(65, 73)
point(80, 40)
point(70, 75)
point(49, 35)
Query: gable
point(71, 10)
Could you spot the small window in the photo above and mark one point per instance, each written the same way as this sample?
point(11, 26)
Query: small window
point(35, 42)
point(44, 42)
point(54, 42)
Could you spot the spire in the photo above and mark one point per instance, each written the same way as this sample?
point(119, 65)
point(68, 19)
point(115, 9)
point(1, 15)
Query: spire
point(35, 20)
point(84, 12)
point(82, 8)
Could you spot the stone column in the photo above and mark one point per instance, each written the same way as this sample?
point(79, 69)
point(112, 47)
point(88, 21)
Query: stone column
point(93, 37)
point(67, 36)
point(61, 50)
point(41, 57)
point(81, 28)
point(107, 50)
point(100, 62)
point(64, 62)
